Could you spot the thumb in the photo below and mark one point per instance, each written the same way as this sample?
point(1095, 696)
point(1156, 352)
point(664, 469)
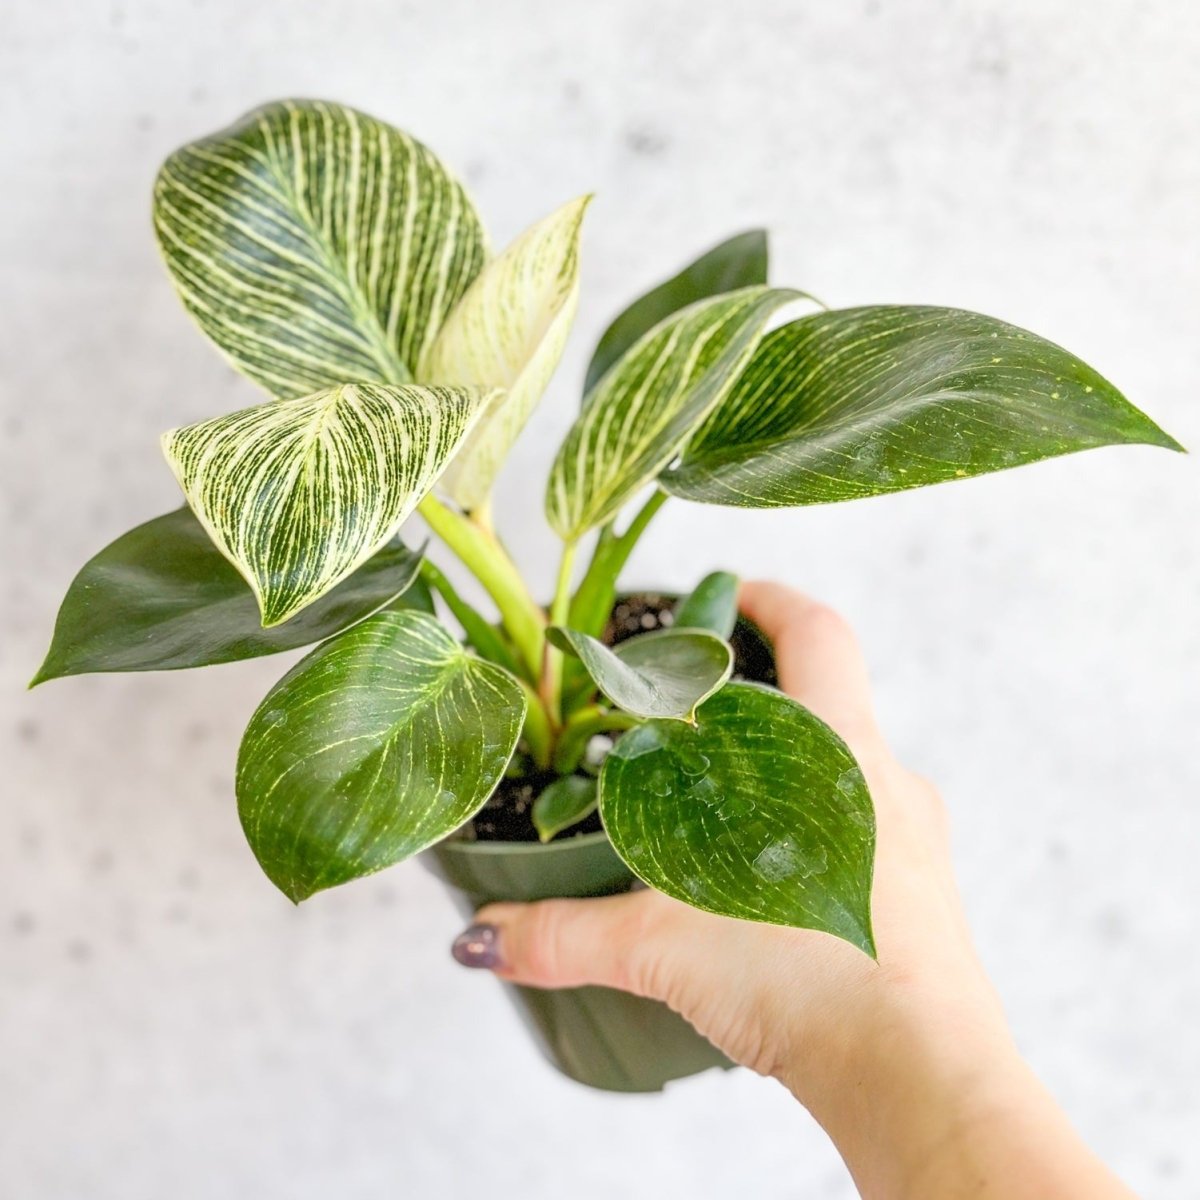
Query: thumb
point(567, 943)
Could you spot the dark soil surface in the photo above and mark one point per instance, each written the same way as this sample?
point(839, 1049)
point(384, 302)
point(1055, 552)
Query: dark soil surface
point(507, 815)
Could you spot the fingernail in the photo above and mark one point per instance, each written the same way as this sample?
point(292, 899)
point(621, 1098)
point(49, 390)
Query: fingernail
point(478, 946)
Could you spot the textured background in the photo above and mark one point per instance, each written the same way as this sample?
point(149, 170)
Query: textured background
point(169, 1025)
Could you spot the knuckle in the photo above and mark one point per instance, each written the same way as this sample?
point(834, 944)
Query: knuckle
point(540, 945)
point(817, 621)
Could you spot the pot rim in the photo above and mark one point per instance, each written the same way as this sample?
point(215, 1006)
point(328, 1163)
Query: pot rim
point(457, 846)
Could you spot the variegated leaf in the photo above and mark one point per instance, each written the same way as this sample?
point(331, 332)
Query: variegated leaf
point(316, 245)
point(642, 411)
point(378, 744)
point(298, 493)
point(508, 331)
point(870, 400)
point(738, 262)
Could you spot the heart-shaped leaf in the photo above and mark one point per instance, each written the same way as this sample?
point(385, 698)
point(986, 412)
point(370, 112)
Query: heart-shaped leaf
point(739, 262)
point(316, 245)
point(637, 417)
point(379, 743)
point(666, 673)
point(163, 597)
point(759, 812)
point(297, 494)
point(563, 803)
point(508, 331)
point(712, 606)
point(868, 400)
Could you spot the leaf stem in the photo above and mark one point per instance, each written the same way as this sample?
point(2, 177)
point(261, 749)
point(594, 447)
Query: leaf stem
point(551, 687)
point(580, 728)
point(483, 555)
point(479, 632)
point(538, 733)
point(594, 599)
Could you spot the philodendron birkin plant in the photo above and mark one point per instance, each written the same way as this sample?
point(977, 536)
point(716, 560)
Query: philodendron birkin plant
point(340, 266)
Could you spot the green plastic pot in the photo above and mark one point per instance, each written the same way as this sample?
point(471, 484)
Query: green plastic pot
point(597, 1036)
point(605, 1039)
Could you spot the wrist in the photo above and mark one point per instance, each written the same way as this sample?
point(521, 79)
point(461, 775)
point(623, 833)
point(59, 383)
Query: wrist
point(901, 1092)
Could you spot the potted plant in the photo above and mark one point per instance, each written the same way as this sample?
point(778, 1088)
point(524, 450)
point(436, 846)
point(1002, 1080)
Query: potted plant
point(560, 750)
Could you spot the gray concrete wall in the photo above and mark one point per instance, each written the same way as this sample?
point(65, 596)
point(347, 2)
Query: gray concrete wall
point(169, 1025)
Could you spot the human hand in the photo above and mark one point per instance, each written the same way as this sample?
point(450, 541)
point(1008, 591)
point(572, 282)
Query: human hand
point(902, 1061)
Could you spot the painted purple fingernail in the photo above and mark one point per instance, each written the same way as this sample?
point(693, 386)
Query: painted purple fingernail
point(478, 946)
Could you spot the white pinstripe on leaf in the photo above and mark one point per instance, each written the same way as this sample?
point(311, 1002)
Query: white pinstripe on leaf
point(381, 742)
point(316, 245)
point(648, 403)
point(298, 493)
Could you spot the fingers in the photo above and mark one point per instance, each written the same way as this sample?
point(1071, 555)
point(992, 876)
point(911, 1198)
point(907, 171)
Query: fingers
point(817, 656)
point(566, 943)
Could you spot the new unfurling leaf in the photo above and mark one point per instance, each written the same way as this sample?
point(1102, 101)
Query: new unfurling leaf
point(508, 331)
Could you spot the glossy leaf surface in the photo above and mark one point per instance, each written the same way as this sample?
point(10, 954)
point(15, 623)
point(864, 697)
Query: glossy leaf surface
point(662, 674)
point(640, 414)
point(712, 605)
point(378, 744)
point(162, 597)
point(315, 245)
point(508, 332)
point(759, 812)
point(869, 400)
point(299, 493)
point(564, 803)
point(738, 262)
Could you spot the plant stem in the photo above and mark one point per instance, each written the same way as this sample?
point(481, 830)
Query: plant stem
point(486, 559)
point(538, 734)
point(479, 632)
point(594, 599)
point(580, 728)
point(551, 688)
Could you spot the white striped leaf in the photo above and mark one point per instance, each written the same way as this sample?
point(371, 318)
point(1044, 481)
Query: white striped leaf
point(508, 331)
point(645, 407)
point(316, 245)
point(759, 812)
point(665, 674)
point(379, 743)
point(739, 261)
point(298, 493)
point(869, 400)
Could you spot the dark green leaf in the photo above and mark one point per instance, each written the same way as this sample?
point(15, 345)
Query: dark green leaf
point(869, 400)
point(162, 597)
point(563, 803)
point(712, 606)
point(416, 596)
point(758, 812)
point(739, 262)
point(662, 674)
point(378, 744)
